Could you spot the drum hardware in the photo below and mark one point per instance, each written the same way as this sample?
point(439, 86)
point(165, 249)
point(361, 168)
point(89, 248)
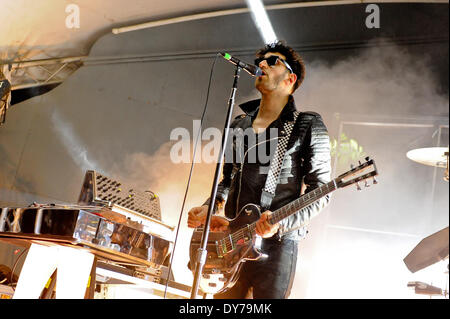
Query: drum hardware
point(429, 251)
point(433, 248)
point(422, 288)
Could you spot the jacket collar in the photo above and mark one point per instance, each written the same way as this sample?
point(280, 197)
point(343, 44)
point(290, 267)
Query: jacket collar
point(251, 108)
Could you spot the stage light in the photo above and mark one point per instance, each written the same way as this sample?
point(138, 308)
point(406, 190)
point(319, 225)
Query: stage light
point(261, 20)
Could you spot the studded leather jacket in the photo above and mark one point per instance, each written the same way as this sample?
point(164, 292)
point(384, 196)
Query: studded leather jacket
point(306, 162)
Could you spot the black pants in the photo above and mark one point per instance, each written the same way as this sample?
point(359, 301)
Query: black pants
point(271, 277)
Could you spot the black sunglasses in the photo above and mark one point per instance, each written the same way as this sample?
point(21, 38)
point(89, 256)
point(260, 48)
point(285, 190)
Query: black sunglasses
point(272, 60)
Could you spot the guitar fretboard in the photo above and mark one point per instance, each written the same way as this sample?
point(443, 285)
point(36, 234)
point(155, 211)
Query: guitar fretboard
point(302, 202)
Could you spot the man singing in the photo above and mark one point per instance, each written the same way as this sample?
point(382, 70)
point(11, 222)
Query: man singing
point(305, 166)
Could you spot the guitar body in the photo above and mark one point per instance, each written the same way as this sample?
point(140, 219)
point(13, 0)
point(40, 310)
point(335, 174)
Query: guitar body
point(224, 260)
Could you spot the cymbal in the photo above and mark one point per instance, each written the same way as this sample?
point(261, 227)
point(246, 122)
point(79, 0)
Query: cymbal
point(431, 156)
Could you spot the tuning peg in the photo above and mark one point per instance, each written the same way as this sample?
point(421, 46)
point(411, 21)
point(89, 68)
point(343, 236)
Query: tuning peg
point(374, 180)
point(365, 183)
point(352, 166)
point(367, 158)
point(359, 162)
point(358, 187)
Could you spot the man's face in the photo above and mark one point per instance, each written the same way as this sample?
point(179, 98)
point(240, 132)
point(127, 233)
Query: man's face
point(275, 78)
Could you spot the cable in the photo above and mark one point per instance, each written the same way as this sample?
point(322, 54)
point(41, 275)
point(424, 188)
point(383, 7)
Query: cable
point(190, 172)
point(242, 169)
point(14, 267)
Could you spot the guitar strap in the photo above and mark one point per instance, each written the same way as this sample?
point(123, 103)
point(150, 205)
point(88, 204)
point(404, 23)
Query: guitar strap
point(268, 192)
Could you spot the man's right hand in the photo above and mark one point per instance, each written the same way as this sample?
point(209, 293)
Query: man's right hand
point(197, 218)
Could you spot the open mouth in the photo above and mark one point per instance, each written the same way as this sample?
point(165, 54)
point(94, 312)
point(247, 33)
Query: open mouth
point(263, 73)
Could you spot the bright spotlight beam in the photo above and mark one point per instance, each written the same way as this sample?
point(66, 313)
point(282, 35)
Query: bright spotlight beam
point(262, 21)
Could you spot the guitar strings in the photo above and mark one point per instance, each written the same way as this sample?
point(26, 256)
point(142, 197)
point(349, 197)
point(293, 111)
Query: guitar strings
point(302, 201)
point(240, 234)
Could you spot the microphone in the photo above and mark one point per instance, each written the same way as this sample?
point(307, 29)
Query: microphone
point(251, 69)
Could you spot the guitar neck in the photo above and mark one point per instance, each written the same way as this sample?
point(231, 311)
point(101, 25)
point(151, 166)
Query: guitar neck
point(353, 176)
point(281, 213)
point(302, 202)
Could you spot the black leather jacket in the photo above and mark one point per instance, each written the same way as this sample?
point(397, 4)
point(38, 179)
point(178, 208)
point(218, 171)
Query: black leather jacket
point(307, 161)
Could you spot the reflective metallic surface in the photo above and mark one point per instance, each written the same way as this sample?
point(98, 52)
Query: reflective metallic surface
point(85, 226)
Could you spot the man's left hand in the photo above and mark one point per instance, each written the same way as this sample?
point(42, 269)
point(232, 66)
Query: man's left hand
point(264, 228)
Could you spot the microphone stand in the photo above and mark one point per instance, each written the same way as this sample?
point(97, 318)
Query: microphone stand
point(202, 252)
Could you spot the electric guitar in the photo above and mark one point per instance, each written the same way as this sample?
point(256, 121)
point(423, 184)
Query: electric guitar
point(226, 251)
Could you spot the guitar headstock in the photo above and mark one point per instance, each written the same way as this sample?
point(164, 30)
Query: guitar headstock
point(362, 172)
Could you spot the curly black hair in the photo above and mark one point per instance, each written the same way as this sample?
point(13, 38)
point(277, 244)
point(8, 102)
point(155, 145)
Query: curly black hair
point(292, 58)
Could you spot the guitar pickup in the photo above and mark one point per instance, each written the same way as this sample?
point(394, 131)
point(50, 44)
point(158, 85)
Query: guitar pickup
point(220, 249)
